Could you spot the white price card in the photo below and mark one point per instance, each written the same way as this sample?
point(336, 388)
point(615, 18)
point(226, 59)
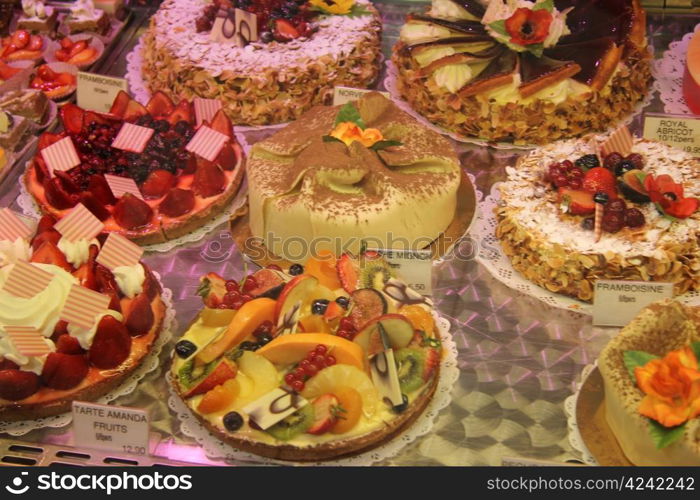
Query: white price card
point(616, 303)
point(344, 95)
point(114, 428)
point(413, 267)
point(97, 92)
point(680, 131)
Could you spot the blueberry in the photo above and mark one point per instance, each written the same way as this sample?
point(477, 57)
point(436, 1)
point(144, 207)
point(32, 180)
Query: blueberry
point(296, 269)
point(400, 408)
point(233, 421)
point(265, 338)
point(161, 126)
point(185, 348)
point(319, 306)
point(601, 197)
point(249, 346)
point(343, 301)
point(266, 37)
point(588, 161)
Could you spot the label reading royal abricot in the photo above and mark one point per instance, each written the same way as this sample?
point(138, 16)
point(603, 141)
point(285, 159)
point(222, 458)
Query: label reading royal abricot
point(114, 428)
point(97, 92)
point(413, 267)
point(615, 303)
point(678, 131)
point(344, 95)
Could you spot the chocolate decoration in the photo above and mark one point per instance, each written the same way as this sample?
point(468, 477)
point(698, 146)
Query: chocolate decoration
point(588, 55)
point(474, 27)
point(277, 405)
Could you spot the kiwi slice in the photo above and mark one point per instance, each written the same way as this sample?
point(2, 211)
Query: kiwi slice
point(188, 375)
point(410, 364)
point(375, 274)
point(293, 425)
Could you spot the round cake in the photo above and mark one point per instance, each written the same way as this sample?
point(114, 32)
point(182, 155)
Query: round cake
point(75, 362)
point(649, 229)
point(312, 47)
point(639, 395)
point(526, 72)
point(286, 366)
point(393, 183)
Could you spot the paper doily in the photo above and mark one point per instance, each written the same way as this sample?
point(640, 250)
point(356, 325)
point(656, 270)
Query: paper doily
point(668, 73)
point(149, 364)
point(391, 85)
point(449, 373)
point(575, 439)
point(29, 208)
point(491, 256)
point(139, 89)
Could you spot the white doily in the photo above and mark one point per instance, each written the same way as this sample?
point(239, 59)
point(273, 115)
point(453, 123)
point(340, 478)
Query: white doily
point(139, 89)
point(491, 256)
point(29, 208)
point(575, 438)
point(391, 85)
point(668, 72)
point(149, 364)
point(449, 373)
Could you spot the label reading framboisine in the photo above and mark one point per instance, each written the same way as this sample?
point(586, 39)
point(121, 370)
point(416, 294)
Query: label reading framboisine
point(677, 131)
point(616, 303)
point(97, 92)
point(113, 428)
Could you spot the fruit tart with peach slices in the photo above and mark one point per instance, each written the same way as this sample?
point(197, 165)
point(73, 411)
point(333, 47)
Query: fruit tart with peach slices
point(318, 362)
point(165, 191)
point(568, 217)
point(54, 84)
point(80, 53)
point(22, 46)
point(77, 317)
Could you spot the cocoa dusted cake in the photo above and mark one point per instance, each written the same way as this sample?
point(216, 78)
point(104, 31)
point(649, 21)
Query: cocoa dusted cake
point(304, 50)
point(522, 71)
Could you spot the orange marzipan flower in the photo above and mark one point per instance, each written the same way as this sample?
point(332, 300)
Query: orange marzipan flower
point(672, 387)
point(349, 132)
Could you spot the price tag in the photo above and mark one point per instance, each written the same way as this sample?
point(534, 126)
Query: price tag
point(344, 95)
point(678, 131)
point(615, 303)
point(413, 267)
point(114, 428)
point(97, 92)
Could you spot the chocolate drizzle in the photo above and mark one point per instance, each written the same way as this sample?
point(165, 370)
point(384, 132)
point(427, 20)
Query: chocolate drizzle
point(285, 402)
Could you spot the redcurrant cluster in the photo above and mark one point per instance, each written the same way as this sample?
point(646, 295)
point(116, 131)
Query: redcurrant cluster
point(316, 360)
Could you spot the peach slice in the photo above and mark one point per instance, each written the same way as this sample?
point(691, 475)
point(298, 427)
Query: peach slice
point(289, 349)
point(244, 323)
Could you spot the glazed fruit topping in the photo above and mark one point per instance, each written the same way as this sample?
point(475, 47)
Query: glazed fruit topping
point(566, 174)
point(316, 360)
point(76, 52)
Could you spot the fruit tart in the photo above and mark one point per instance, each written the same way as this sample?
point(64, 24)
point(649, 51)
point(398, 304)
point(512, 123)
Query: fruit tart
point(79, 50)
point(309, 363)
point(160, 193)
point(529, 72)
point(54, 81)
point(53, 350)
point(22, 46)
point(569, 216)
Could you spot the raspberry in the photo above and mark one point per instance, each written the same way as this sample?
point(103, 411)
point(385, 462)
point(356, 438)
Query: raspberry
point(636, 159)
point(613, 222)
point(612, 160)
point(617, 205)
point(634, 218)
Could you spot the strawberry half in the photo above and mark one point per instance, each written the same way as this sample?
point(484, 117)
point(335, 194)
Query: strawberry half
point(17, 384)
point(160, 105)
point(111, 344)
point(347, 272)
point(177, 202)
point(212, 289)
point(100, 189)
point(134, 110)
point(64, 371)
point(72, 117)
point(182, 112)
point(66, 344)
point(284, 30)
point(158, 183)
point(209, 180)
point(576, 202)
point(131, 212)
point(221, 123)
point(48, 235)
point(86, 273)
point(600, 179)
point(93, 205)
point(47, 138)
point(139, 319)
point(48, 253)
point(325, 414)
point(121, 102)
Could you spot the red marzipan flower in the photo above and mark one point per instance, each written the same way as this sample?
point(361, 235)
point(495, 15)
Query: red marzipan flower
point(528, 27)
point(668, 195)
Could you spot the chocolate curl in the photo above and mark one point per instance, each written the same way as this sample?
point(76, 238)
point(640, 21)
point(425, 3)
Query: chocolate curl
point(598, 224)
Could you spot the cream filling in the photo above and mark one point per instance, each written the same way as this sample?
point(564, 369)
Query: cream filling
point(130, 279)
point(76, 252)
point(453, 76)
point(12, 251)
point(447, 9)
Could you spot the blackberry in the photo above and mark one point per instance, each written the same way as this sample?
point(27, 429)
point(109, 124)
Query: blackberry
point(161, 126)
point(588, 161)
point(182, 127)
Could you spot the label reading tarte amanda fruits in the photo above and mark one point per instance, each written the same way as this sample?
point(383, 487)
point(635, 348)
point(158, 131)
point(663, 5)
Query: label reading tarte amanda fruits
point(677, 131)
point(113, 428)
point(97, 92)
point(344, 95)
point(616, 303)
point(413, 267)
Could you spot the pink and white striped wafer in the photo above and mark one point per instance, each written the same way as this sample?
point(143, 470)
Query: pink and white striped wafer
point(79, 224)
point(132, 138)
point(12, 227)
point(619, 141)
point(122, 185)
point(205, 109)
point(83, 305)
point(207, 143)
point(26, 280)
point(28, 340)
point(119, 251)
point(61, 155)
point(598, 222)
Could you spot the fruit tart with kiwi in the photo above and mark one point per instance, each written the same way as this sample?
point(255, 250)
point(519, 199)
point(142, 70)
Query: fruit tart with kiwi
point(316, 362)
point(172, 188)
point(76, 360)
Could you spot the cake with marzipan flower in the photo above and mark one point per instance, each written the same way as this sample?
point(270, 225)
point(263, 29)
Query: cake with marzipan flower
point(304, 50)
point(649, 229)
point(522, 71)
point(652, 386)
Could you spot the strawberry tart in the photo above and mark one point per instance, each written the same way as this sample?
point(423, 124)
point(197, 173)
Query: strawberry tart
point(524, 71)
point(303, 49)
point(651, 379)
point(309, 364)
point(339, 175)
point(568, 216)
point(148, 172)
point(78, 313)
